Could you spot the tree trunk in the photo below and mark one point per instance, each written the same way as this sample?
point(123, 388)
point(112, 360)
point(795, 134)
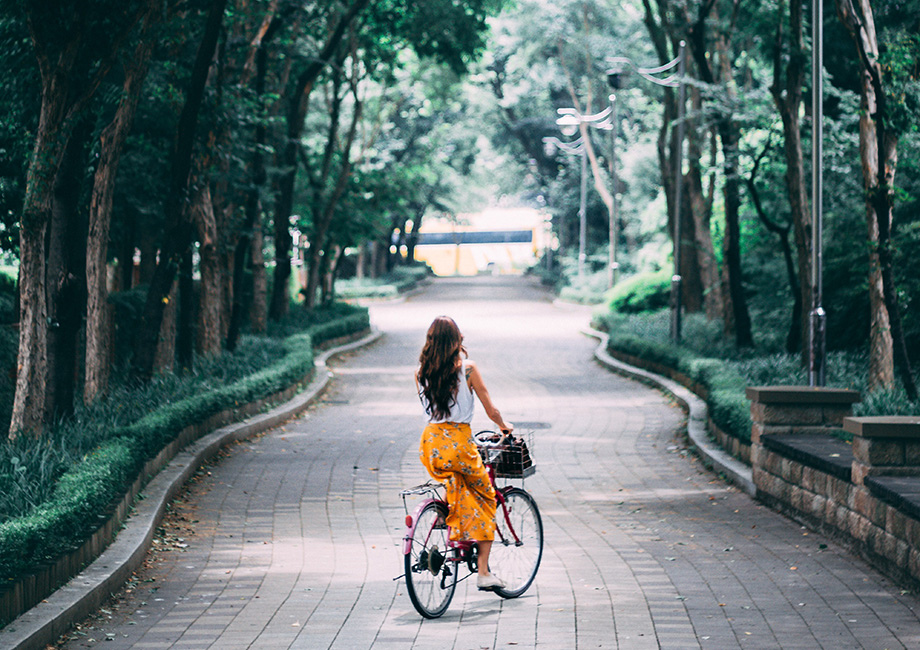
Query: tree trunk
point(258, 313)
point(66, 273)
point(61, 101)
point(31, 379)
point(208, 335)
point(178, 232)
point(324, 216)
point(700, 288)
point(164, 358)
point(111, 144)
point(786, 89)
point(701, 200)
point(878, 154)
point(737, 319)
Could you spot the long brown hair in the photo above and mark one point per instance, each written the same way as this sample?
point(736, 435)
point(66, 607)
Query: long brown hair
point(439, 363)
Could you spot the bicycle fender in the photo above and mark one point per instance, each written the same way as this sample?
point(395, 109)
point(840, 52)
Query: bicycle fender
point(407, 539)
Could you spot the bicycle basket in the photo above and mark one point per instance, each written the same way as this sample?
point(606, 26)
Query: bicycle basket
point(514, 459)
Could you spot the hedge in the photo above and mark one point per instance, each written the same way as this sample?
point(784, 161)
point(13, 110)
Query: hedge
point(84, 494)
point(728, 406)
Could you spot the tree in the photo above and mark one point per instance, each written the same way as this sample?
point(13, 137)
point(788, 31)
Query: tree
point(111, 143)
point(75, 46)
point(786, 89)
point(298, 102)
point(712, 55)
point(178, 230)
point(878, 153)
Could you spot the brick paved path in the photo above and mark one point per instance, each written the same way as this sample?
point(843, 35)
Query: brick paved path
point(292, 540)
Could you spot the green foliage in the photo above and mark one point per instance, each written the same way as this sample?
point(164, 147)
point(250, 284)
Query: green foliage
point(56, 490)
point(390, 285)
point(900, 62)
point(586, 290)
point(641, 292)
point(728, 406)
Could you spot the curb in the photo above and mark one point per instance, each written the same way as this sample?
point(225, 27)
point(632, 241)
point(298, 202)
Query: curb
point(695, 408)
point(46, 622)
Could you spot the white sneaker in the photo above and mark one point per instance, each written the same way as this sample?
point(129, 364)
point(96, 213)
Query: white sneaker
point(489, 582)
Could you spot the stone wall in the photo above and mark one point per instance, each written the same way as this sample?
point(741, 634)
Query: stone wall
point(865, 494)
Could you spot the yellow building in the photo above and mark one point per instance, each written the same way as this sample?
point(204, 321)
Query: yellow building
point(497, 240)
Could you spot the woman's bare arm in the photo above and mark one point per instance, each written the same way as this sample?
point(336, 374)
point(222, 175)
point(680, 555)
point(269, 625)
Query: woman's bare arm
point(479, 387)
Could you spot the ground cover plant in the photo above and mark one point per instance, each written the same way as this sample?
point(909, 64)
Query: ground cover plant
point(389, 285)
point(54, 489)
point(706, 357)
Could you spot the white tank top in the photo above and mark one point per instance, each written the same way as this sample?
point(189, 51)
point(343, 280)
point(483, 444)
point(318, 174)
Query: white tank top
point(461, 407)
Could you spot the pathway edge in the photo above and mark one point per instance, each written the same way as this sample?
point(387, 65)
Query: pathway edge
point(46, 622)
point(695, 408)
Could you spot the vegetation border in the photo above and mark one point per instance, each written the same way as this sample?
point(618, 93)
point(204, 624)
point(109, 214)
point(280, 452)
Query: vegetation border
point(698, 421)
point(112, 562)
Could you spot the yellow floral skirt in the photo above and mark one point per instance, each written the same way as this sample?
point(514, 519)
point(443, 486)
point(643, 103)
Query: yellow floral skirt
point(449, 454)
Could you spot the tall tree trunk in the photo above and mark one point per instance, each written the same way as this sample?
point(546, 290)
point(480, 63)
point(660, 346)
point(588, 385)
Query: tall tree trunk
point(243, 258)
point(63, 98)
point(793, 338)
point(786, 89)
point(178, 234)
point(700, 288)
point(164, 358)
point(321, 227)
point(66, 269)
point(737, 319)
point(701, 200)
point(878, 153)
point(31, 379)
point(208, 335)
point(111, 144)
point(258, 312)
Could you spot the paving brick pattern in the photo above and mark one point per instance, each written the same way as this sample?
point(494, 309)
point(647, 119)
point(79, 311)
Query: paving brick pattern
point(292, 540)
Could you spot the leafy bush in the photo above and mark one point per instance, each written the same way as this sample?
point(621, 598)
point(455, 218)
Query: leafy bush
point(586, 290)
point(642, 292)
point(399, 280)
point(707, 358)
point(55, 490)
point(646, 337)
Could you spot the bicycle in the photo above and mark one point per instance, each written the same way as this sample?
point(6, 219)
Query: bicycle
point(432, 561)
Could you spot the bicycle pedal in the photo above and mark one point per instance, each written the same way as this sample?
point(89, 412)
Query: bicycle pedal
point(435, 561)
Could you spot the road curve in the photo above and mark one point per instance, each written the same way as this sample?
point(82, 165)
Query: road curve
point(292, 540)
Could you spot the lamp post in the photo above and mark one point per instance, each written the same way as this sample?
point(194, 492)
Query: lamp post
point(817, 346)
point(575, 148)
point(671, 81)
point(605, 120)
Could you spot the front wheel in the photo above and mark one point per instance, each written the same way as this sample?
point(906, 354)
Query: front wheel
point(518, 546)
point(431, 576)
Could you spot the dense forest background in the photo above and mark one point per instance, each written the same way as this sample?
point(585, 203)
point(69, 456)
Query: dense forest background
point(176, 173)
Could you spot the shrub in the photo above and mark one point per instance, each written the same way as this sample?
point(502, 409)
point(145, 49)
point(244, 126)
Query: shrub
point(586, 290)
point(642, 292)
point(55, 490)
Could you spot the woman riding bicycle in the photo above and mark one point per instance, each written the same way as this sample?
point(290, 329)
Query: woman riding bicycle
point(446, 382)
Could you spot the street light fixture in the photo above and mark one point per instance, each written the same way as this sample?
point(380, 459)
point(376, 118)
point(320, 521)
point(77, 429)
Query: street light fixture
point(672, 81)
point(606, 121)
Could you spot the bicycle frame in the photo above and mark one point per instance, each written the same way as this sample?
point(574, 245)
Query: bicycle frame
point(463, 545)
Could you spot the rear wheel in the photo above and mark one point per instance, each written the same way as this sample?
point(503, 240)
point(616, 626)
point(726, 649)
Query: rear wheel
point(518, 546)
point(430, 577)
